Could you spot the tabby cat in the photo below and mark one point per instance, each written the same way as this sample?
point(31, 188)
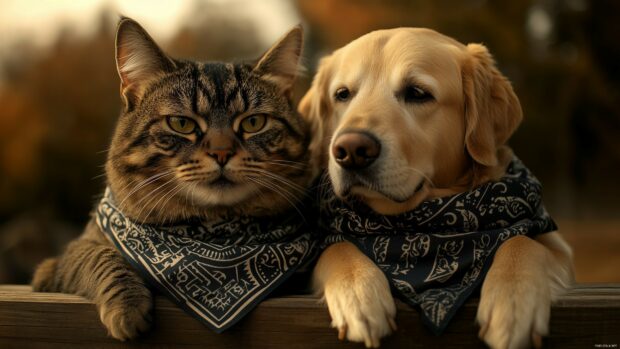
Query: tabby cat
point(193, 140)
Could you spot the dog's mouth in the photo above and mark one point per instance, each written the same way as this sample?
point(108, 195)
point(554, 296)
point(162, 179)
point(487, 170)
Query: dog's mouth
point(419, 187)
point(362, 189)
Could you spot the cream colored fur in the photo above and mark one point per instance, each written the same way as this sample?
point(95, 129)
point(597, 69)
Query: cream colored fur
point(450, 144)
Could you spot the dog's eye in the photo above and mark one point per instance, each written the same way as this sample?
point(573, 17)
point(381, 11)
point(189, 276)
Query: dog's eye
point(414, 94)
point(342, 94)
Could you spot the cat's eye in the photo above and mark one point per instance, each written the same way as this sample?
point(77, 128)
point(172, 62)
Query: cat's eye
point(181, 124)
point(415, 94)
point(253, 124)
point(342, 94)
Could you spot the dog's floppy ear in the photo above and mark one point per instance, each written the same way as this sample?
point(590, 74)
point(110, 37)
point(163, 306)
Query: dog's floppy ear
point(315, 107)
point(492, 110)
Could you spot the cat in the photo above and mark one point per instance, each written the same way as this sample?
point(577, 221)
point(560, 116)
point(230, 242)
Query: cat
point(194, 139)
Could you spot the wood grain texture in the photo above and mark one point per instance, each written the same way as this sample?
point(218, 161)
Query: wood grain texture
point(586, 316)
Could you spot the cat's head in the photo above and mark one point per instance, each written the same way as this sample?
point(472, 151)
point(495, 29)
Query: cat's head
point(202, 138)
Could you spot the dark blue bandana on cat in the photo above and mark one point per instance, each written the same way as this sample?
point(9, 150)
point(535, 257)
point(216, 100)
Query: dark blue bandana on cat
point(436, 255)
point(216, 271)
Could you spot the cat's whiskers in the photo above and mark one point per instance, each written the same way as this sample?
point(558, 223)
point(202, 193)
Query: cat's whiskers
point(141, 185)
point(196, 176)
point(292, 201)
point(161, 197)
point(151, 196)
point(303, 164)
point(273, 187)
point(104, 151)
point(170, 194)
point(293, 166)
point(99, 176)
point(103, 174)
point(182, 211)
point(301, 190)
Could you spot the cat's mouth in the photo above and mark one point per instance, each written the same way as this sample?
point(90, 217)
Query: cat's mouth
point(221, 191)
point(221, 183)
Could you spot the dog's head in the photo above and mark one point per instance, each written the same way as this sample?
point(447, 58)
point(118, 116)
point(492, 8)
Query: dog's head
point(403, 113)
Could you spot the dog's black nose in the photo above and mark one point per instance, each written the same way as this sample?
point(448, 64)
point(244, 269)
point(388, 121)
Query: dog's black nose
point(355, 150)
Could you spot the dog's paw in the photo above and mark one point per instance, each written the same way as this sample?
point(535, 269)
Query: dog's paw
point(43, 279)
point(514, 307)
point(362, 307)
point(126, 320)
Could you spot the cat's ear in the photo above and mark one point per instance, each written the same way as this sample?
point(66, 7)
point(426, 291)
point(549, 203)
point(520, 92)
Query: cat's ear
point(138, 60)
point(280, 64)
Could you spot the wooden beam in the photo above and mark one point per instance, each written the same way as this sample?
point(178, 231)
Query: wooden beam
point(587, 316)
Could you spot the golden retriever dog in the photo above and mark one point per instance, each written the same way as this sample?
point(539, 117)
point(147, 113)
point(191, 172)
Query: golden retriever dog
point(425, 116)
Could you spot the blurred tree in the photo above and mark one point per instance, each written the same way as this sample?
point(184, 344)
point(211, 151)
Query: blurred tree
point(63, 108)
point(57, 113)
point(215, 33)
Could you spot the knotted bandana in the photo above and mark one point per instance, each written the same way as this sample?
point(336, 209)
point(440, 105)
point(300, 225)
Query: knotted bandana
point(436, 255)
point(216, 271)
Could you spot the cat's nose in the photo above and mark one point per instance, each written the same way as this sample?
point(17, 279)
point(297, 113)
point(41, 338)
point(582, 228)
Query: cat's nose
point(220, 146)
point(221, 155)
point(355, 150)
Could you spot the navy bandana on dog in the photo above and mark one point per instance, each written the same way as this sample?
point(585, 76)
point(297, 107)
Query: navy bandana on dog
point(216, 271)
point(436, 255)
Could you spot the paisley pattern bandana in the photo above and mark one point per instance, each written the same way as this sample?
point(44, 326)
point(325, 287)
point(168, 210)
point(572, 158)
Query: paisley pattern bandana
point(436, 255)
point(215, 271)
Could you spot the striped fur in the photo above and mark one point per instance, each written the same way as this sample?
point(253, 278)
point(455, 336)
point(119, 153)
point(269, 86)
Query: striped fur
point(159, 175)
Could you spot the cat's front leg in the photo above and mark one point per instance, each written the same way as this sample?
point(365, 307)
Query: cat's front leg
point(94, 269)
point(357, 294)
point(44, 279)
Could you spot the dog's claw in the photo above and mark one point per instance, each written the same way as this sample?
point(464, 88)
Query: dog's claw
point(484, 327)
point(360, 305)
point(368, 342)
point(392, 324)
point(342, 332)
point(482, 331)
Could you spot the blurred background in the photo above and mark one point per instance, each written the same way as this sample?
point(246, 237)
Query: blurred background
point(59, 98)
